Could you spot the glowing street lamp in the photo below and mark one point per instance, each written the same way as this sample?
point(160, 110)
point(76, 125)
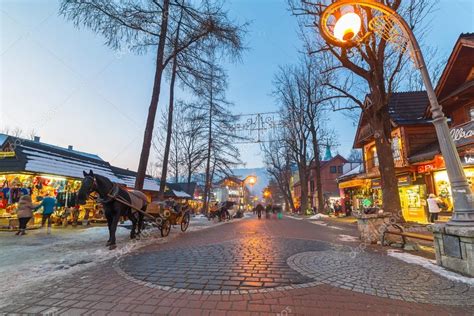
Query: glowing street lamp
point(347, 27)
point(251, 180)
point(341, 26)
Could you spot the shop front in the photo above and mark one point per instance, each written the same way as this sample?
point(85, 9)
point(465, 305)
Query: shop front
point(37, 169)
point(64, 189)
point(412, 191)
point(353, 194)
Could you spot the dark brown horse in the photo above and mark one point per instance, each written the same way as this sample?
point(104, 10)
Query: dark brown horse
point(109, 194)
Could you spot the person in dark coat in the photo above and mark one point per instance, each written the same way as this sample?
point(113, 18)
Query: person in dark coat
point(259, 209)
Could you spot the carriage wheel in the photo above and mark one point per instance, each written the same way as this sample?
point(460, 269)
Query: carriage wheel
point(185, 222)
point(165, 228)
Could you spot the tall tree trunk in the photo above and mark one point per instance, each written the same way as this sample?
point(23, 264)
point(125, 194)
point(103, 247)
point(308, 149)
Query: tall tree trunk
point(207, 185)
point(169, 129)
point(155, 98)
point(304, 187)
point(317, 168)
point(381, 125)
point(189, 173)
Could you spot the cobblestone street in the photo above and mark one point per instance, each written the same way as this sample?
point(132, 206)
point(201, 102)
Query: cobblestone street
point(251, 267)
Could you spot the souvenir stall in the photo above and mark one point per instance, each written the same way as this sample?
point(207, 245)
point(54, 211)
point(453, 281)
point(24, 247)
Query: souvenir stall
point(12, 186)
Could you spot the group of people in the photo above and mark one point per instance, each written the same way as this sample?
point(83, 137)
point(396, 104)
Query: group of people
point(26, 208)
point(269, 209)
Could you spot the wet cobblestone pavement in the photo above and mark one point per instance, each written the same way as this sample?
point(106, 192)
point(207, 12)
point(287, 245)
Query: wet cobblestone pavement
point(244, 264)
point(251, 267)
point(382, 276)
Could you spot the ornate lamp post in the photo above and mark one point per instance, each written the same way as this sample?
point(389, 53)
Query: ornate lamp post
point(250, 180)
point(344, 24)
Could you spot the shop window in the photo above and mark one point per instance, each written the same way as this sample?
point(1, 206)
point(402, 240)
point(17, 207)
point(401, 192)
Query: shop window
point(333, 169)
point(339, 169)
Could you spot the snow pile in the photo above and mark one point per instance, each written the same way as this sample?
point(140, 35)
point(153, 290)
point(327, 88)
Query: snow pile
point(430, 265)
point(294, 217)
point(348, 238)
point(319, 216)
point(321, 223)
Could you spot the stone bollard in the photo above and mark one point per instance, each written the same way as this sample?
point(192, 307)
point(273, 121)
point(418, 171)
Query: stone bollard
point(371, 226)
point(454, 247)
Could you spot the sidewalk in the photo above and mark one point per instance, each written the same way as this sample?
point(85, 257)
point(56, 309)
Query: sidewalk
point(307, 271)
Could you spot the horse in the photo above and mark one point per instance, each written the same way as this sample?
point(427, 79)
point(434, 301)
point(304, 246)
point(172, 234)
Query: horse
point(114, 209)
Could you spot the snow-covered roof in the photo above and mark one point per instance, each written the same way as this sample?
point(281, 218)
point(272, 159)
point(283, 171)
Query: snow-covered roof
point(149, 184)
point(37, 157)
point(353, 172)
point(42, 161)
point(181, 194)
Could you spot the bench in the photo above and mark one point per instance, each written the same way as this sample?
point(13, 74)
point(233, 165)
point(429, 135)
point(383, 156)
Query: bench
point(404, 234)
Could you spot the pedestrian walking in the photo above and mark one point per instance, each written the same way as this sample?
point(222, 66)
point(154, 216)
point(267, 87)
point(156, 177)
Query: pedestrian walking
point(24, 213)
point(259, 209)
point(268, 211)
point(434, 207)
point(48, 204)
point(337, 209)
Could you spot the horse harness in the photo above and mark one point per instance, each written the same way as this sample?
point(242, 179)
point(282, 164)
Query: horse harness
point(113, 195)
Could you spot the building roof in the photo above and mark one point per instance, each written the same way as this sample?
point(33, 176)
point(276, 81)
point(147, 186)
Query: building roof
point(408, 107)
point(352, 173)
point(188, 188)
point(404, 108)
point(38, 157)
point(459, 68)
point(128, 178)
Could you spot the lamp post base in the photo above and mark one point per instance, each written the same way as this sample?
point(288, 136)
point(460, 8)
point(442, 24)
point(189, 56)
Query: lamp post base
point(454, 247)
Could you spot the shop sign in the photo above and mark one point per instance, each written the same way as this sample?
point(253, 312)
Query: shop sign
point(351, 184)
point(463, 134)
point(376, 183)
point(7, 154)
point(468, 159)
point(426, 168)
point(402, 180)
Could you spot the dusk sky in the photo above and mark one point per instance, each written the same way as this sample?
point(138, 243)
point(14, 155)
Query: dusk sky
point(73, 90)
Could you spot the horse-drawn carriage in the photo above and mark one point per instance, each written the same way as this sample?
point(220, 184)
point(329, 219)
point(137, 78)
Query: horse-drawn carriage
point(118, 201)
point(165, 214)
point(223, 211)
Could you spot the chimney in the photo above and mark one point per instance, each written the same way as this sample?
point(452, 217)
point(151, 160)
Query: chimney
point(69, 147)
point(36, 139)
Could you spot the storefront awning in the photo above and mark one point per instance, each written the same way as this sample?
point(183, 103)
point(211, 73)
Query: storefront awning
point(352, 183)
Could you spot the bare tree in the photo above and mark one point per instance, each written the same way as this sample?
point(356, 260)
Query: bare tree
point(193, 142)
point(277, 161)
point(140, 26)
point(355, 156)
point(374, 67)
point(213, 112)
point(290, 96)
point(224, 33)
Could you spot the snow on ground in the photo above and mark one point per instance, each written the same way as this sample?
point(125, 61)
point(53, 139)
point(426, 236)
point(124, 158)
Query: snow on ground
point(431, 265)
point(294, 217)
point(38, 257)
point(318, 216)
point(348, 238)
point(321, 223)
